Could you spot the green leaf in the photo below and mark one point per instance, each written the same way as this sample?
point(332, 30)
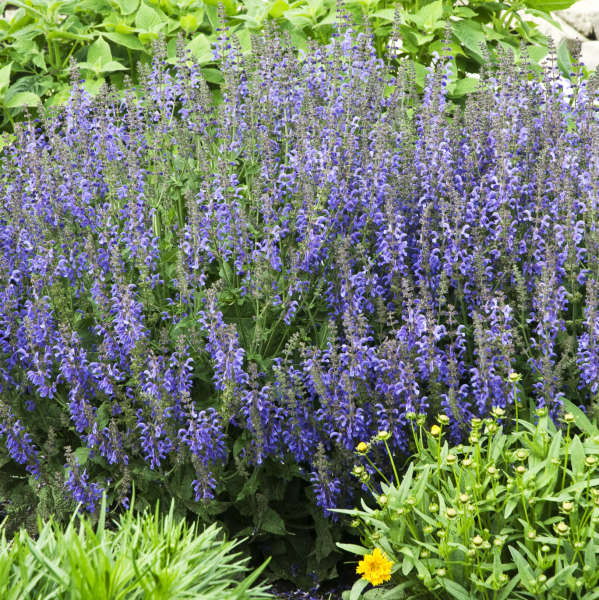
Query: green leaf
point(5, 77)
point(277, 8)
point(580, 419)
point(147, 19)
point(189, 23)
point(353, 548)
point(23, 99)
point(549, 5)
point(387, 14)
point(455, 589)
point(82, 454)
point(127, 7)
point(201, 48)
point(524, 570)
point(99, 52)
point(212, 75)
point(357, 589)
point(577, 456)
point(128, 40)
point(272, 522)
point(564, 62)
point(470, 36)
point(429, 17)
point(464, 86)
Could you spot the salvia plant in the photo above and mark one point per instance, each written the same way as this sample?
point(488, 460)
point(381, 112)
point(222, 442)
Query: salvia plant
point(505, 515)
point(218, 302)
point(144, 556)
point(107, 38)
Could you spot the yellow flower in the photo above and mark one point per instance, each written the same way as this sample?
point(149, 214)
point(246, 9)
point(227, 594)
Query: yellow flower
point(435, 430)
point(375, 567)
point(362, 447)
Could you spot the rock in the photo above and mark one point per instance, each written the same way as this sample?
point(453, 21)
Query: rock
point(590, 54)
point(583, 16)
point(566, 32)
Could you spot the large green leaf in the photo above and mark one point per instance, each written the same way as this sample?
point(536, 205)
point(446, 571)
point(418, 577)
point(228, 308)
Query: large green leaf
point(99, 52)
point(200, 47)
point(148, 19)
point(127, 7)
point(128, 40)
point(23, 99)
point(549, 5)
point(470, 36)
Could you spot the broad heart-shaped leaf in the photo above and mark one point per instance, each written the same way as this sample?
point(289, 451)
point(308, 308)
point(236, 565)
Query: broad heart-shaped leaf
point(201, 48)
point(549, 5)
point(471, 37)
point(128, 40)
point(99, 53)
point(277, 8)
point(5, 77)
point(430, 16)
point(148, 19)
point(23, 99)
point(127, 7)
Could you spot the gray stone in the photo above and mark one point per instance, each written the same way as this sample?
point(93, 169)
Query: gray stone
point(583, 16)
point(565, 32)
point(590, 54)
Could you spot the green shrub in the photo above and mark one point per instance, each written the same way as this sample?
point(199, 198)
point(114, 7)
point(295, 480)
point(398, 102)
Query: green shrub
point(507, 515)
point(145, 557)
point(107, 38)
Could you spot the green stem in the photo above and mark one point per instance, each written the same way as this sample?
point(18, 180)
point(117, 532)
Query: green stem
point(392, 463)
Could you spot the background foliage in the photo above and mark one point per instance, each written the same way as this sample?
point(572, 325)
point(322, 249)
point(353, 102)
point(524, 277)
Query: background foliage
point(108, 38)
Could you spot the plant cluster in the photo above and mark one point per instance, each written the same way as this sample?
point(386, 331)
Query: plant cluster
point(107, 38)
point(506, 515)
point(218, 302)
point(147, 556)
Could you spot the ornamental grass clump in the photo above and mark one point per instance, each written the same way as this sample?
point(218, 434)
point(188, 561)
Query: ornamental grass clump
point(511, 513)
point(147, 556)
point(219, 301)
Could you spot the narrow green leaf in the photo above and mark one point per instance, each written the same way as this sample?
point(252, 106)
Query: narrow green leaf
point(5, 77)
point(357, 589)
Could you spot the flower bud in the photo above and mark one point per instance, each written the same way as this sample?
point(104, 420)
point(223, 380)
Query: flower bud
point(568, 417)
point(425, 553)
point(590, 461)
point(520, 469)
point(521, 454)
point(383, 436)
point(475, 422)
point(514, 377)
point(545, 548)
point(421, 420)
point(362, 447)
point(532, 535)
point(562, 529)
point(451, 513)
point(492, 470)
point(542, 578)
point(383, 500)
point(464, 498)
point(498, 412)
point(433, 507)
point(443, 420)
point(467, 462)
point(435, 430)
point(357, 470)
point(441, 572)
point(451, 459)
point(477, 541)
point(567, 506)
point(356, 523)
point(427, 531)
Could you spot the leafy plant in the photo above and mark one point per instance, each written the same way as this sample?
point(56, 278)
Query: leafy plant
point(108, 38)
point(506, 515)
point(144, 556)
